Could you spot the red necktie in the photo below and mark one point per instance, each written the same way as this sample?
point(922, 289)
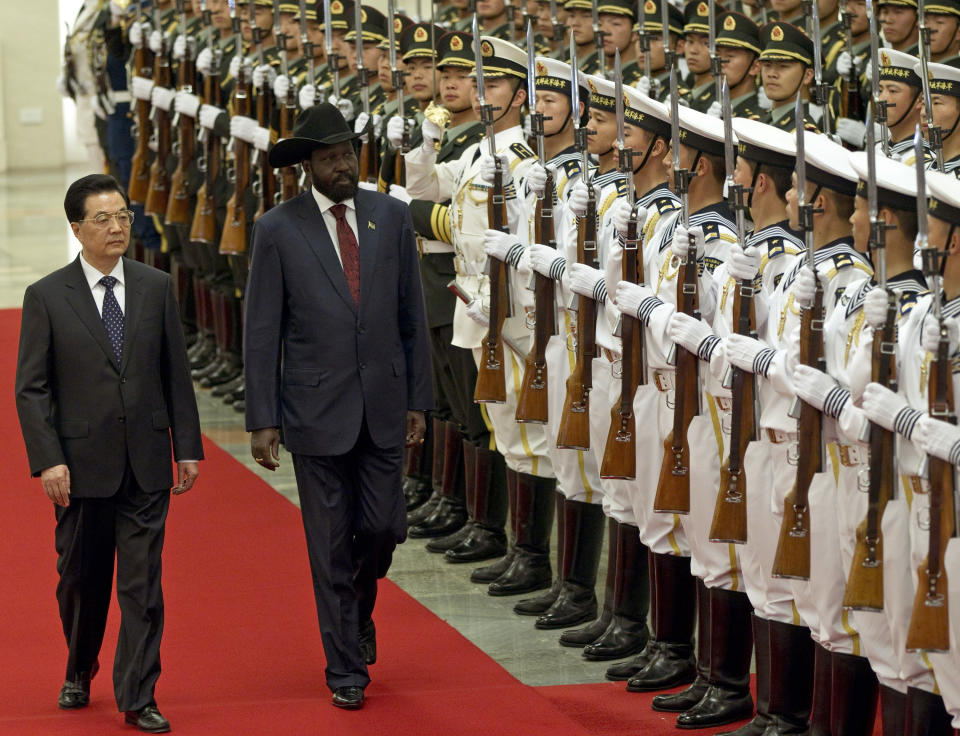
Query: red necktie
point(349, 251)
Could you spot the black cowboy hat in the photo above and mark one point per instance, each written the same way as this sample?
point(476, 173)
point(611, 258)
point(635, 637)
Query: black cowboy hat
point(320, 125)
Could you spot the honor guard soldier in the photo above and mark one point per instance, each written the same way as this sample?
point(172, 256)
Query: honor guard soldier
point(389, 107)
point(945, 99)
point(852, 87)
point(580, 21)
point(618, 20)
point(702, 88)
point(943, 19)
point(902, 90)
point(374, 31)
point(495, 19)
point(658, 86)
point(833, 34)
point(738, 46)
point(899, 24)
point(341, 22)
point(84, 57)
point(786, 71)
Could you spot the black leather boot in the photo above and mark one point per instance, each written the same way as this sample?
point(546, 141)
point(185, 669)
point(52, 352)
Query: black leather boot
point(623, 671)
point(822, 690)
point(853, 697)
point(761, 648)
point(588, 634)
point(674, 599)
point(691, 695)
point(451, 513)
point(791, 678)
point(727, 698)
point(627, 632)
point(893, 709)
point(442, 544)
point(433, 462)
point(417, 487)
point(226, 389)
point(532, 521)
point(499, 566)
point(926, 715)
point(583, 540)
point(487, 538)
point(539, 604)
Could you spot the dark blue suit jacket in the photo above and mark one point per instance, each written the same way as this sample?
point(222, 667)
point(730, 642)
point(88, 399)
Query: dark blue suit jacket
point(315, 363)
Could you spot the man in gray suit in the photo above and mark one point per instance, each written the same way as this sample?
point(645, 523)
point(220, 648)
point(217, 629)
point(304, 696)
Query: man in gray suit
point(337, 363)
point(103, 386)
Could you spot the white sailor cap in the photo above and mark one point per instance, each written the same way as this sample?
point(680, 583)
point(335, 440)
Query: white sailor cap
point(896, 66)
point(828, 164)
point(501, 58)
point(944, 79)
point(645, 112)
point(943, 191)
point(701, 131)
point(765, 144)
point(601, 92)
point(896, 182)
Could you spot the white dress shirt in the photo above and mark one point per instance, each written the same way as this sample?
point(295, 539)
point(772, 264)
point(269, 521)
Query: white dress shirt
point(99, 290)
point(325, 203)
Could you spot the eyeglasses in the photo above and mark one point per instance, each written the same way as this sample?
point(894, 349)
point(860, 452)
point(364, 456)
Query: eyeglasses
point(124, 218)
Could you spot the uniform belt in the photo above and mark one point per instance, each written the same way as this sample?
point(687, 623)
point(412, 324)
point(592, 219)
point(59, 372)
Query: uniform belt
point(121, 96)
point(665, 380)
point(724, 403)
point(852, 455)
point(609, 355)
point(779, 437)
point(918, 484)
point(427, 247)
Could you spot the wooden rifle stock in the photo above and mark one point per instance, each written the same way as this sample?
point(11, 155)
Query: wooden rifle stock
point(792, 559)
point(203, 229)
point(532, 405)
point(158, 189)
point(730, 512)
point(574, 430)
point(267, 194)
point(233, 239)
point(929, 622)
point(369, 161)
point(139, 185)
point(178, 203)
point(491, 375)
point(289, 181)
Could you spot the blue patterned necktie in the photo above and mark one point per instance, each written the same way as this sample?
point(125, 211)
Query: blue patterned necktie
point(112, 316)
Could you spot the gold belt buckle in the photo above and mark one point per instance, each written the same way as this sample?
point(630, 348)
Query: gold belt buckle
point(724, 403)
point(420, 244)
point(663, 381)
point(776, 436)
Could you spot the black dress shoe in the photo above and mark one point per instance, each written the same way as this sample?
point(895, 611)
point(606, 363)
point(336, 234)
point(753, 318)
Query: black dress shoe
point(368, 642)
point(587, 634)
point(480, 544)
point(539, 604)
point(623, 671)
point(147, 719)
point(672, 665)
point(529, 571)
point(575, 605)
point(718, 706)
point(75, 693)
point(683, 700)
point(349, 697)
point(448, 516)
point(623, 638)
point(442, 544)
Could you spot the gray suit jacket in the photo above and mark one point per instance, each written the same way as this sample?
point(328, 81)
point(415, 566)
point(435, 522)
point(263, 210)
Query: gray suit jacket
point(79, 407)
point(316, 364)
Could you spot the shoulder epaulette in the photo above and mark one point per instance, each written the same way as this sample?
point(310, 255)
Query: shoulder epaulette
point(521, 151)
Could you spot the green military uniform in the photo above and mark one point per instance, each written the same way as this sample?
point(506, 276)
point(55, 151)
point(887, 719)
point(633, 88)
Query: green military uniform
point(786, 42)
point(696, 17)
point(735, 30)
point(374, 30)
point(660, 84)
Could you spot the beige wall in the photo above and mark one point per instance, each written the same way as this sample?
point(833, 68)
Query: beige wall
point(29, 65)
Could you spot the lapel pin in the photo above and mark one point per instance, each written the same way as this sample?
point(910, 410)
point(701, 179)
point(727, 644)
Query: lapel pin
point(370, 225)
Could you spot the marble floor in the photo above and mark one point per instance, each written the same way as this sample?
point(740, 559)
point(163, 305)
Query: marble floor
point(35, 239)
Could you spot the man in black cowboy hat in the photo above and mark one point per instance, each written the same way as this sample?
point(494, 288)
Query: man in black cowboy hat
point(338, 369)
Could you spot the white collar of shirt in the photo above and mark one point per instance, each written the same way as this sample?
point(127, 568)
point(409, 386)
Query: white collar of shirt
point(93, 276)
point(325, 203)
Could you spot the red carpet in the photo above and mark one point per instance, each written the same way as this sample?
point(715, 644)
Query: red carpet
point(241, 650)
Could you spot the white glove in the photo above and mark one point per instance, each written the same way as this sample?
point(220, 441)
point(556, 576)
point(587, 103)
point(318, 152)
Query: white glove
point(748, 354)
point(395, 130)
point(693, 334)
point(681, 241)
point(209, 115)
point(588, 281)
point(261, 139)
point(931, 334)
point(804, 287)
point(162, 97)
point(205, 62)
point(820, 390)
point(502, 246)
point(527, 127)
point(875, 307)
point(844, 64)
point(136, 33)
point(938, 438)
point(742, 264)
point(867, 69)
point(546, 261)
point(851, 131)
point(360, 124)
point(478, 314)
point(400, 193)
point(715, 110)
point(890, 410)
point(763, 101)
point(141, 88)
point(97, 106)
point(368, 185)
point(488, 167)
point(343, 105)
point(620, 216)
point(155, 42)
point(536, 179)
point(577, 202)
point(180, 47)
point(431, 132)
point(186, 104)
point(234, 69)
point(264, 75)
point(242, 127)
point(307, 95)
point(281, 87)
point(643, 84)
point(635, 300)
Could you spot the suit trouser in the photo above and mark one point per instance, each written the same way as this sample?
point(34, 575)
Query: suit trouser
point(455, 377)
point(354, 516)
point(89, 531)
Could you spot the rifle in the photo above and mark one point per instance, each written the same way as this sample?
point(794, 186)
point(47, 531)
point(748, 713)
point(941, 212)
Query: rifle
point(730, 512)
point(396, 77)
point(879, 106)
point(204, 226)
point(574, 430)
point(792, 559)
point(265, 187)
point(139, 184)
point(934, 133)
point(851, 103)
point(819, 90)
point(289, 184)
point(643, 39)
point(491, 377)
point(620, 451)
point(532, 405)
point(559, 29)
point(159, 183)
point(178, 204)
point(333, 60)
point(233, 239)
point(673, 486)
point(369, 162)
point(864, 589)
point(929, 621)
point(716, 63)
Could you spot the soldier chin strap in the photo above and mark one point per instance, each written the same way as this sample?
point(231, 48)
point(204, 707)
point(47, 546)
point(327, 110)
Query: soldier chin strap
point(508, 106)
point(909, 108)
point(567, 119)
point(646, 156)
